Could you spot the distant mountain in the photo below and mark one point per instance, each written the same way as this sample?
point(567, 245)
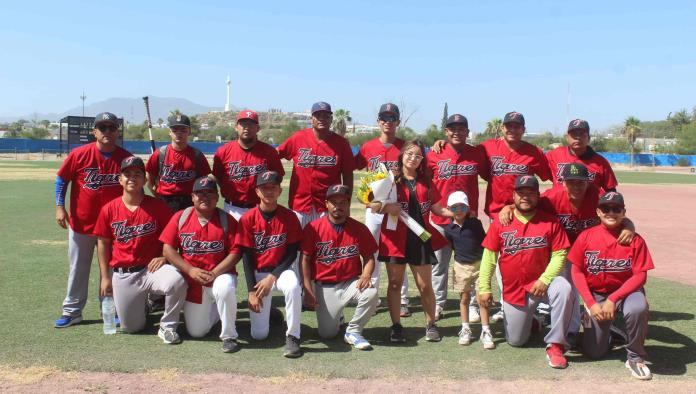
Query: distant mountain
point(131, 109)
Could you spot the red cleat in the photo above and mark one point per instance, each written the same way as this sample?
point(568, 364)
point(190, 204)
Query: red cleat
point(554, 354)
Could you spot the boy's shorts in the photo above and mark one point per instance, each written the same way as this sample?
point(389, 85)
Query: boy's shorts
point(465, 276)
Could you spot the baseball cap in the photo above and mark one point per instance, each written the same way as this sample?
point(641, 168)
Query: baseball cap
point(576, 124)
point(513, 117)
point(204, 183)
point(338, 190)
point(529, 181)
point(132, 161)
point(458, 197)
point(389, 108)
point(105, 117)
point(576, 171)
point(248, 114)
point(457, 119)
point(321, 106)
point(268, 177)
point(611, 198)
point(179, 120)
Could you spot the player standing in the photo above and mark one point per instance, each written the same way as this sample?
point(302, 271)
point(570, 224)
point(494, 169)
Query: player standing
point(172, 169)
point(93, 169)
point(321, 158)
point(128, 229)
point(199, 241)
point(237, 164)
point(332, 250)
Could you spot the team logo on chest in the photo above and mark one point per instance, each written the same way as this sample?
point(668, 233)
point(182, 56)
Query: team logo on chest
point(499, 167)
point(191, 246)
point(374, 162)
point(94, 180)
point(236, 171)
point(574, 225)
point(307, 159)
point(561, 166)
point(124, 234)
point(327, 254)
point(445, 170)
point(596, 264)
point(263, 243)
point(512, 244)
point(170, 175)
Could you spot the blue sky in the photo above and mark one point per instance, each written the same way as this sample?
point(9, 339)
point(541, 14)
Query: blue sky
point(483, 58)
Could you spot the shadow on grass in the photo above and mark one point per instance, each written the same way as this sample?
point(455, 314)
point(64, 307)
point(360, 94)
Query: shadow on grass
point(670, 316)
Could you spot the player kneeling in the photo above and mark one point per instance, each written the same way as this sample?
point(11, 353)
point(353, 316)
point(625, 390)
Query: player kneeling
point(199, 241)
point(128, 228)
point(332, 247)
point(269, 236)
point(610, 278)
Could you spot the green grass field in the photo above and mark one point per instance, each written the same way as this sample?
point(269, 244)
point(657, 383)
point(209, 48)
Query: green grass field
point(33, 274)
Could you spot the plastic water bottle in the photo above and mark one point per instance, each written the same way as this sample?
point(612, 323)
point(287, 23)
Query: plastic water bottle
point(109, 315)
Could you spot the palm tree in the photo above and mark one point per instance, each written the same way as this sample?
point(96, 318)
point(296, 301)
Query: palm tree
point(631, 130)
point(493, 128)
point(340, 117)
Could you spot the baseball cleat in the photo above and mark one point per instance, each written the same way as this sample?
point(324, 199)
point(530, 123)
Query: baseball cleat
point(169, 336)
point(487, 340)
point(498, 316)
point(396, 334)
point(357, 341)
point(292, 347)
point(554, 353)
point(230, 345)
point(639, 370)
point(67, 321)
point(465, 335)
point(432, 334)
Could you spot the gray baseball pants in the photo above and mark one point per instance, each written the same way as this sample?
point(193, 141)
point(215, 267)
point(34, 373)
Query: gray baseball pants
point(332, 298)
point(130, 295)
point(635, 312)
point(441, 271)
point(575, 308)
point(80, 252)
point(518, 319)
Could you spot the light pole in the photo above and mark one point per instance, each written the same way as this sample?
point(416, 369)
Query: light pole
point(83, 97)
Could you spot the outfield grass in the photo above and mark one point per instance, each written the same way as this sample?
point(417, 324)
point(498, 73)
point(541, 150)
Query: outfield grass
point(33, 274)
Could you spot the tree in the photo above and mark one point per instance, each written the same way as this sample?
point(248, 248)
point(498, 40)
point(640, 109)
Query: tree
point(36, 133)
point(431, 134)
point(679, 119)
point(406, 133)
point(631, 130)
point(45, 123)
point(444, 118)
point(340, 117)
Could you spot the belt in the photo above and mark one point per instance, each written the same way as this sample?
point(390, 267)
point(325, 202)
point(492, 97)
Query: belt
point(130, 270)
point(249, 205)
point(326, 283)
point(266, 269)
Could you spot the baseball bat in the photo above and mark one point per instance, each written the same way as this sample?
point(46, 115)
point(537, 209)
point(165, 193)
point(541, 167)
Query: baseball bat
point(146, 99)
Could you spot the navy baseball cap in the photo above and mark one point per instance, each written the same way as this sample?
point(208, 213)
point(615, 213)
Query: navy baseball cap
point(529, 181)
point(321, 106)
point(204, 183)
point(612, 198)
point(268, 177)
point(179, 120)
point(389, 108)
point(576, 171)
point(105, 117)
point(457, 119)
point(132, 161)
point(513, 117)
point(578, 124)
point(338, 190)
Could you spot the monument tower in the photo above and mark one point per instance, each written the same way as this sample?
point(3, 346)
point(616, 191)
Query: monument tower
point(227, 102)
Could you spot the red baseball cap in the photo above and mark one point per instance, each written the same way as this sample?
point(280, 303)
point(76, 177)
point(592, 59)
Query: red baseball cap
point(248, 114)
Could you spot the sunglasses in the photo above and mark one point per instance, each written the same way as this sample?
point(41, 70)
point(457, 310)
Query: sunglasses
point(105, 128)
point(204, 193)
point(611, 208)
point(388, 118)
point(459, 208)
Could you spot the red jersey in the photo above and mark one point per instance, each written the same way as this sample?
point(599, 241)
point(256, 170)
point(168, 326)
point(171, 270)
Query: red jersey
point(94, 182)
point(605, 263)
point(203, 247)
point(317, 164)
point(236, 169)
point(336, 255)
point(454, 170)
point(505, 166)
point(269, 239)
point(525, 251)
point(601, 174)
point(393, 242)
point(374, 152)
point(556, 202)
point(179, 171)
point(134, 235)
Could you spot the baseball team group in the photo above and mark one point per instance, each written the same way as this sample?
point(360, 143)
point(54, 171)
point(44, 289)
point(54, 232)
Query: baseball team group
point(547, 251)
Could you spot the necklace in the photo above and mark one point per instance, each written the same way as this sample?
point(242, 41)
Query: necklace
point(411, 183)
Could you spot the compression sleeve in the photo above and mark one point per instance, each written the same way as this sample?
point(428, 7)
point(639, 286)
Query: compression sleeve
point(488, 263)
point(249, 267)
point(288, 259)
point(634, 283)
point(558, 259)
point(61, 190)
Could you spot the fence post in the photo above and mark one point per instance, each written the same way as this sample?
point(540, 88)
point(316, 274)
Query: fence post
point(16, 155)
